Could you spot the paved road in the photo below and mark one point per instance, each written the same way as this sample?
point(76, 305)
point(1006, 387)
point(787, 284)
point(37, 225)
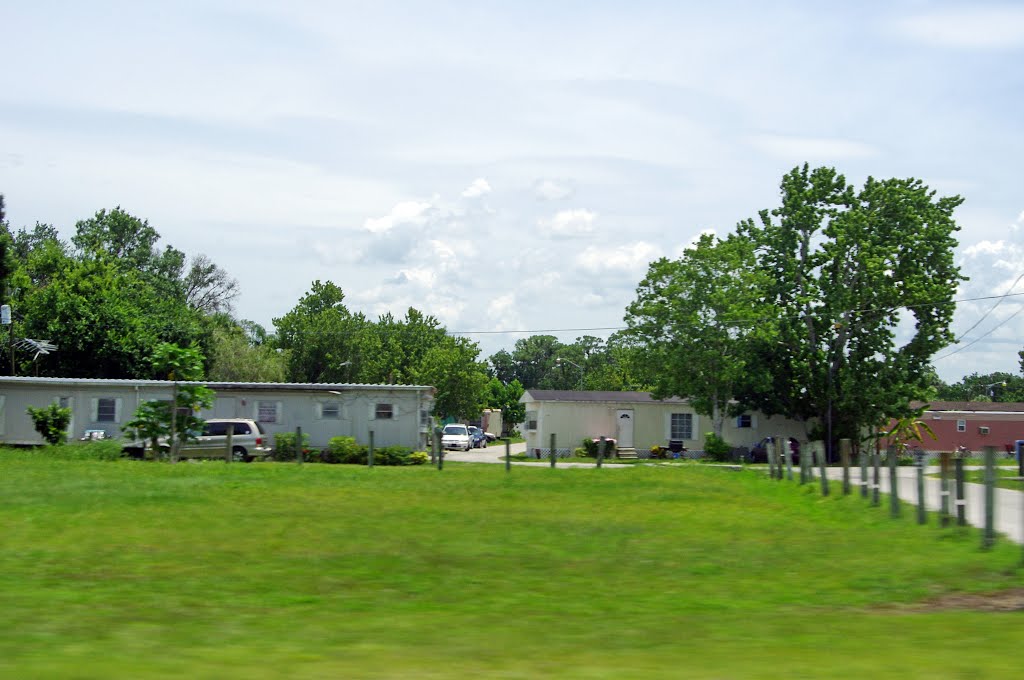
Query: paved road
point(1009, 508)
point(1009, 504)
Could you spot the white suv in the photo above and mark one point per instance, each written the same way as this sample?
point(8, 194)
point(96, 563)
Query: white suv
point(248, 441)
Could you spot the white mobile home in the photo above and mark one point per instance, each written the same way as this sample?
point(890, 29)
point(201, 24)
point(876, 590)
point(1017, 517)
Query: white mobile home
point(635, 420)
point(398, 415)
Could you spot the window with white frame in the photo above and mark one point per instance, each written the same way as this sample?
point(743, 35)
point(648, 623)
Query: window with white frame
point(744, 421)
point(384, 411)
point(531, 420)
point(330, 410)
point(267, 411)
point(961, 426)
point(681, 426)
point(106, 410)
point(424, 418)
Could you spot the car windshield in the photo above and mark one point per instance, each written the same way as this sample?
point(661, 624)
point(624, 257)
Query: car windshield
point(475, 430)
point(455, 429)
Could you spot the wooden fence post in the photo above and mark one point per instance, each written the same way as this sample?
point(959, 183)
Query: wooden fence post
point(601, 444)
point(961, 500)
point(554, 451)
point(922, 511)
point(990, 498)
point(227, 442)
point(894, 487)
point(369, 452)
point(844, 454)
point(300, 455)
point(508, 454)
point(862, 455)
point(944, 488)
point(819, 450)
point(876, 482)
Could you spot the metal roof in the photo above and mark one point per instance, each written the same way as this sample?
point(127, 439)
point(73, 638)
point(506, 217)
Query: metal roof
point(970, 406)
point(576, 395)
point(253, 386)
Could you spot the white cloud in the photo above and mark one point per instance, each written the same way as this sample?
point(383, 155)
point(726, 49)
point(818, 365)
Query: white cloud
point(478, 188)
point(814, 149)
point(406, 212)
point(550, 190)
point(570, 223)
point(967, 27)
point(632, 258)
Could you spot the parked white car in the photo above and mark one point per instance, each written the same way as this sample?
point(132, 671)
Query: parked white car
point(456, 437)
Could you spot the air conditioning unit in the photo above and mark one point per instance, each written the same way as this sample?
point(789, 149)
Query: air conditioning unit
point(982, 430)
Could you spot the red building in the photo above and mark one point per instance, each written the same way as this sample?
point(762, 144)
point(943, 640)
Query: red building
point(973, 424)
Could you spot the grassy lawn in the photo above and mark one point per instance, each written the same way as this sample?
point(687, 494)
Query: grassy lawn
point(206, 570)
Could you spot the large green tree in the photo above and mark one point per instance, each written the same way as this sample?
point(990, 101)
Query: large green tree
point(326, 342)
point(863, 284)
point(695, 316)
point(998, 386)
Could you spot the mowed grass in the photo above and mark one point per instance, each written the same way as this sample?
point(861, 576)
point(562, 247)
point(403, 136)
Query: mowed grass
point(138, 570)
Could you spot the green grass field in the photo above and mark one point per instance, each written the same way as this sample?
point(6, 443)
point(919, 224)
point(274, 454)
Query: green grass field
point(206, 570)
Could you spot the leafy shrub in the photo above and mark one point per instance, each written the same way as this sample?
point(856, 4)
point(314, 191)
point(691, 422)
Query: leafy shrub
point(51, 422)
point(580, 452)
point(343, 450)
point(347, 451)
point(590, 446)
point(284, 446)
point(716, 448)
point(419, 458)
point(658, 451)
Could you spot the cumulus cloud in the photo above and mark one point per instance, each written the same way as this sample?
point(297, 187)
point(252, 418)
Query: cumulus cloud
point(976, 27)
point(406, 212)
point(551, 190)
point(567, 223)
point(632, 258)
point(478, 188)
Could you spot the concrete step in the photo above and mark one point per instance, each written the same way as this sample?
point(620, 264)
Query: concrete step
point(627, 453)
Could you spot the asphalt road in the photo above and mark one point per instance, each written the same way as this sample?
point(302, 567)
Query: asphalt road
point(1009, 504)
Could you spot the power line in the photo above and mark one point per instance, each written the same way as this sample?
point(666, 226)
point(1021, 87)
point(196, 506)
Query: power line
point(1000, 298)
point(990, 310)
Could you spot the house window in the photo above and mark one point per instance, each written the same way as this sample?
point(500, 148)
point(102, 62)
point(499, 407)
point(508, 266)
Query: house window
point(682, 426)
point(531, 420)
point(961, 426)
point(106, 410)
point(64, 402)
point(424, 418)
point(330, 410)
point(744, 421)
point(266, 411)
point(384, 412)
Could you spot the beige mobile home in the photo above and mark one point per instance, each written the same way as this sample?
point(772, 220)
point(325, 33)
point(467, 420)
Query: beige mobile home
point(635, 420)
point(398, 415)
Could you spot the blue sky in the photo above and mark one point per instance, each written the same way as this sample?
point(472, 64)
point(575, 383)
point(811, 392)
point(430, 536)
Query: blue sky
point(506, 166)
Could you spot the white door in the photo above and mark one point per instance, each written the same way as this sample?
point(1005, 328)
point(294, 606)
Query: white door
point(624, 418)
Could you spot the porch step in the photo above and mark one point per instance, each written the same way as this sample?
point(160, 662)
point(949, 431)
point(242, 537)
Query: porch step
point(627, 453)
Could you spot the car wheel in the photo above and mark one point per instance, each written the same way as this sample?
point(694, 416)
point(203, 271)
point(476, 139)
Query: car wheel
point(239, 455)
point(483, 444)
